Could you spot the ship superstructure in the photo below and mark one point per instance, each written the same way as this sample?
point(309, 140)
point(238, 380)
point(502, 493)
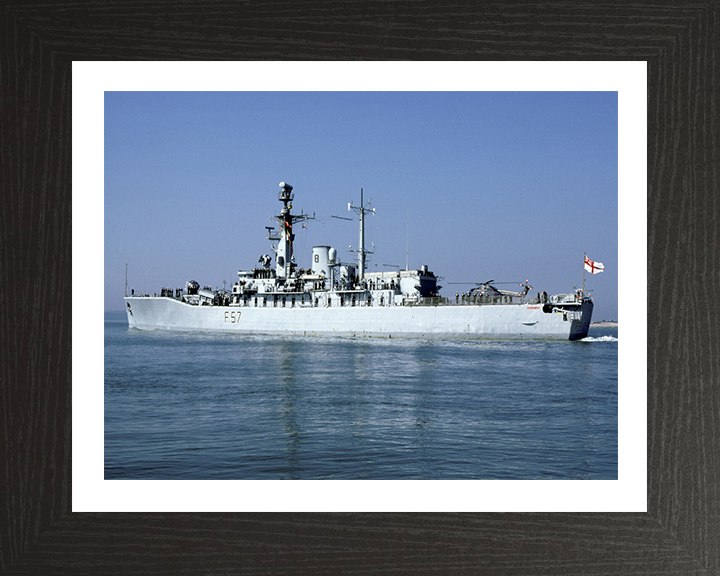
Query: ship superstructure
point(343, 299)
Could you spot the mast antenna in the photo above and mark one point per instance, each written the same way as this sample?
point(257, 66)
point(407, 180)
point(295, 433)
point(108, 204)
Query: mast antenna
point(407, 241)
point(362, 210)
point(126, 279)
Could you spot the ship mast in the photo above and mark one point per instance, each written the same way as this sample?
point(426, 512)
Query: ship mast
point(284, 256)
point(362, 210)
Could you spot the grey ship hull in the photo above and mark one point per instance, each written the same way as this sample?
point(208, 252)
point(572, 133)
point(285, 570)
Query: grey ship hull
point(504, 321)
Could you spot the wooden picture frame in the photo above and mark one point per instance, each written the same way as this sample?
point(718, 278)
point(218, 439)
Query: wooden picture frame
point(680, 532)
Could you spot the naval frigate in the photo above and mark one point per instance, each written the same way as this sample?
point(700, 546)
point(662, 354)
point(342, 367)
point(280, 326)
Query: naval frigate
point(343, 299)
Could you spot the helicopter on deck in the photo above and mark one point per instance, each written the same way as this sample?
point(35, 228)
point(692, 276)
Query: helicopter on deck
point(489, 289)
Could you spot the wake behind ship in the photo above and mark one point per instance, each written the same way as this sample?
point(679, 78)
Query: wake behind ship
point(342, 299)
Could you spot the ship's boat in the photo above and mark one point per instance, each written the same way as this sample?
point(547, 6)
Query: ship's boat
point(343, 299)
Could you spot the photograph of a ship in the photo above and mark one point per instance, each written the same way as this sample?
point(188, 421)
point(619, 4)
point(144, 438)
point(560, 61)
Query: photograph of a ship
point(331, 298)
point(419, 304)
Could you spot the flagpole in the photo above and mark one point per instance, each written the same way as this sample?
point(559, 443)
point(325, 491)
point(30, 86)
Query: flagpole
point(584, 256)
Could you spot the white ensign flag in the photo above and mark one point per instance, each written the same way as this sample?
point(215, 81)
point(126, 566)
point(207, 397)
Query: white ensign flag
point(593, 267)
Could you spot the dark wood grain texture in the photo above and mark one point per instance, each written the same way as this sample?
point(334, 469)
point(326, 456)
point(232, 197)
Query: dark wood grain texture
point(680, 532)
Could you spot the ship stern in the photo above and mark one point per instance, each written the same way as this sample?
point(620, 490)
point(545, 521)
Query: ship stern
point(580, 326)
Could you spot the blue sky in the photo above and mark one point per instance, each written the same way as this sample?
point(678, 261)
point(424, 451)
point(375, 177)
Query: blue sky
point(479, 185)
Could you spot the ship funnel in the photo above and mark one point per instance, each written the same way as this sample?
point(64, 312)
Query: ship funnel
point(320, 260)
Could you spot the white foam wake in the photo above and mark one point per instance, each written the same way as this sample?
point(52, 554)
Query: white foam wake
point(600, 339)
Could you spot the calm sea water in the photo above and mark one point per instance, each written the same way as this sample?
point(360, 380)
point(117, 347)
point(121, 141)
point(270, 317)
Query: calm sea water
point(227, 406)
